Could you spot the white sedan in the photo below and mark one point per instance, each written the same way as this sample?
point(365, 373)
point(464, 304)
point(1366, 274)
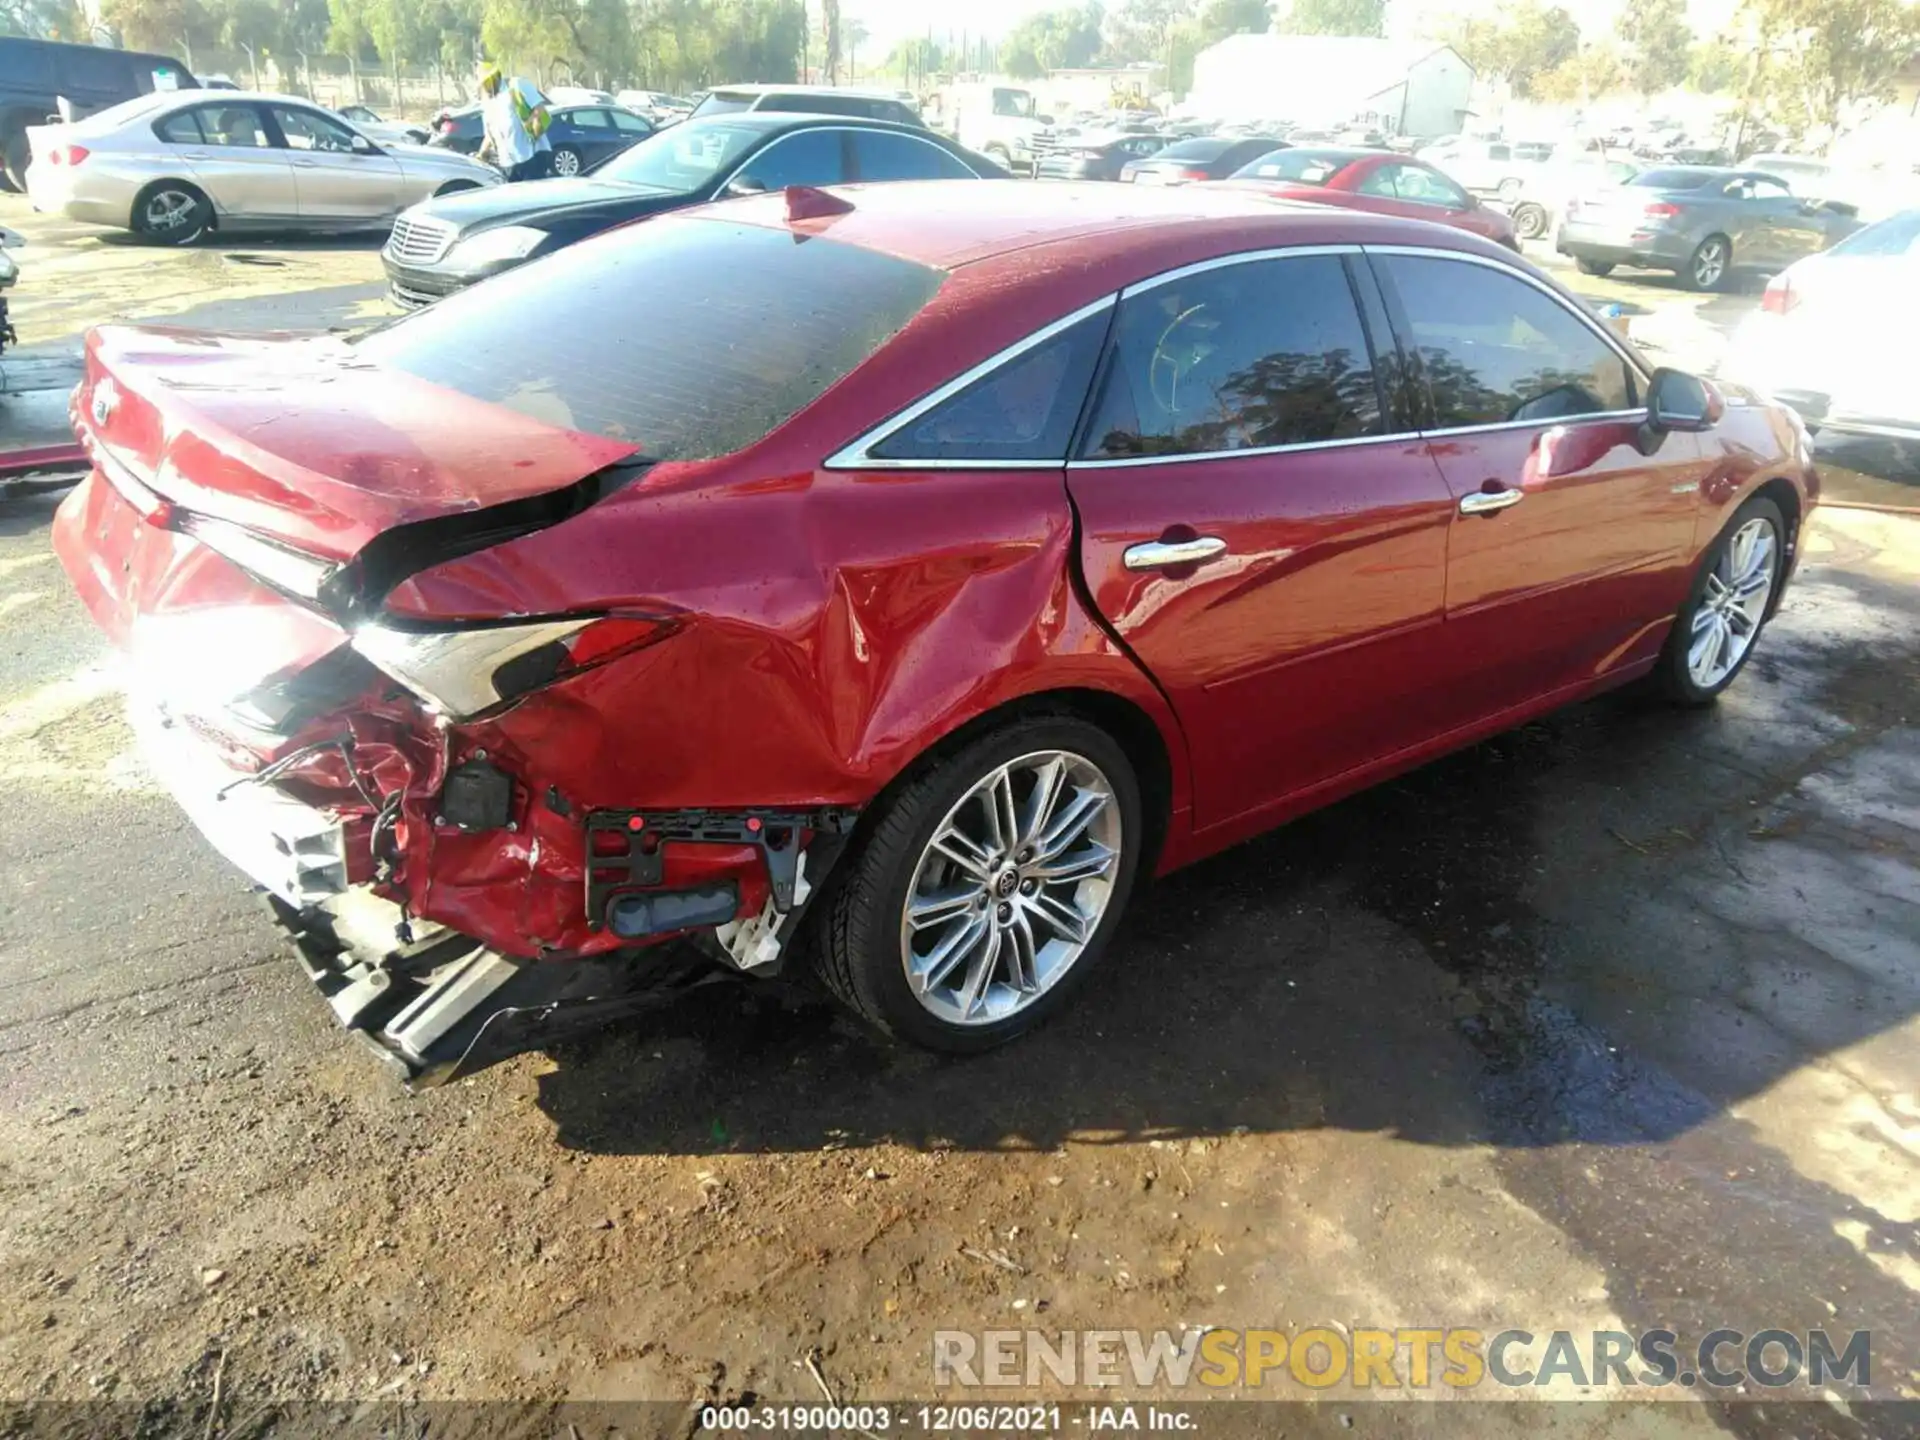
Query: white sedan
point(1833, 334)
point(173, 165)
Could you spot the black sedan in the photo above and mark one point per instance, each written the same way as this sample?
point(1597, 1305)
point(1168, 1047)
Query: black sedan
point(582, 135)
point(1209, 157)
point(1097, 156)
point(449, 242)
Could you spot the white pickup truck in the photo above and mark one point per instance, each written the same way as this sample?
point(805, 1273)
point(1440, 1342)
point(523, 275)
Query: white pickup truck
point(996, 120)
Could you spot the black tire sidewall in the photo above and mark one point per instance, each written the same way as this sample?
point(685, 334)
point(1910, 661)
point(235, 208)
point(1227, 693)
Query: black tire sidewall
point(13, 160)
point(1594, 267)
point(1726, 265)
point(1675, 679)
point(871, 942)
point(1535, 223)
point(203, 217)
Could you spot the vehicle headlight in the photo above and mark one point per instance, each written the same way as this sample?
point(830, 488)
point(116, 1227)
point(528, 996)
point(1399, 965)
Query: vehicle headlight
point(508, 242)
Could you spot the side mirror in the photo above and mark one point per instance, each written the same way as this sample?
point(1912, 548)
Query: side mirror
point(363, 146)
point(1678, 401)
point(744, 185)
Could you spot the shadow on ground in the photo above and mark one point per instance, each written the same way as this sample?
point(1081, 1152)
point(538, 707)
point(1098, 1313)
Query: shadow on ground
point(1453, 957)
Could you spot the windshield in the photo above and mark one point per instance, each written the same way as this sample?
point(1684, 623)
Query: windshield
point(1299, 167)
point(1013, 102)
point(683, 158)
point(687, 337)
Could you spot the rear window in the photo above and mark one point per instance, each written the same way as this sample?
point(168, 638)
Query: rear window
point(720, 103)
point(1675, 179)
point(1204, 149)
point(688, 338)
point(1897, 235)
point(1299, 167)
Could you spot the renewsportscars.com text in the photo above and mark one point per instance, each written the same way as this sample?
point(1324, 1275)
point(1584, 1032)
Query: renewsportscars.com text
point(1415, 1359)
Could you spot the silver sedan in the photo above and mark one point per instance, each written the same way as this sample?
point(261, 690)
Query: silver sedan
point(173, 165)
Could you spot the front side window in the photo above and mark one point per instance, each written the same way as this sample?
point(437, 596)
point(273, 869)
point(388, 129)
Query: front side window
point(811, 157)
point(1496, 350)
point(630, 124)
point(591, 119)
point(310, 130)
point(881, 156)
point(1265, 353)
point(1024, 410)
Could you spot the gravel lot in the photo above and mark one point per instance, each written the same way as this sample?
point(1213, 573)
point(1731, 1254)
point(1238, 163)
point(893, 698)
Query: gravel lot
point(1608, 1023)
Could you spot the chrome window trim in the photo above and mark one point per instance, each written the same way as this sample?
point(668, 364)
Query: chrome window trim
point(1243, 257)
point(1124, 462)
point(855, 456)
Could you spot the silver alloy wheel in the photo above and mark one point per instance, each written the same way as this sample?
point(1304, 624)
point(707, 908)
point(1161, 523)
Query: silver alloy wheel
point(1709, 263)
point(1529, 221)
point(565, 162)
point(1733, 604)
point(1011, 888)
point(169, 210)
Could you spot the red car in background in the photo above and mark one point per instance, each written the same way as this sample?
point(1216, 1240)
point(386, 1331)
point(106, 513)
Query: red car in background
point(1374, 180)
point(880, 581)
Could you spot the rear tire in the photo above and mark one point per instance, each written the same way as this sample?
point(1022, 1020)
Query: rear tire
point(1593, 267)
point(1530, 220)
point(1727, 607)
point(1710, 266)
point(171, 212)
point(14, 158)
point(566, 162)
point(992, 954)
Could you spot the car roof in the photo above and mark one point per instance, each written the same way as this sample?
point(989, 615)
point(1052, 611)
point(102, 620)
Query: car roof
point(761, 87)
point(771, 120)
point(949, 225)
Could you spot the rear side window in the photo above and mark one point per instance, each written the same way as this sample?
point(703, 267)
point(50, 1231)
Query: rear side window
point(182, 128)
point(1496, 350)
point(809, 157)
point(723, 104)
point(881, 156)
point(687, 338)
point(1270, 352)
point(1674, 179)
point(97, 71)
point(1024, 410)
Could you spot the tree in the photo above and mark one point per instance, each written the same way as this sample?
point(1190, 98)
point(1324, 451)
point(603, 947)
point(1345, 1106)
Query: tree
point(1715, 66)
point(1220, 18)
point(1595, 70)
point(1140, 30)
point(42, 19)
point(255, 26)
point(1522, 42)
point(347, 35)
point(830, 39)
point(1052, 40)
point(1657, 40)
point(1826, 62)
point(165, 25)
point(1335, 17)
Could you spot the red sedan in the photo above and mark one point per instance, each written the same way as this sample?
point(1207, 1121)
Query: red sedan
point(883, 581)
point(1374, 180)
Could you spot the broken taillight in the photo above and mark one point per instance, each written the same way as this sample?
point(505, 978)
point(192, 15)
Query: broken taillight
point(1779, 297)
point(463, 670)
point(67, 154)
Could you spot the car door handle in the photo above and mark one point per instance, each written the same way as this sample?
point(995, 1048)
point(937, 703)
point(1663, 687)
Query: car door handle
point(1164, 554)
point(1490, 502)
point(307, 164)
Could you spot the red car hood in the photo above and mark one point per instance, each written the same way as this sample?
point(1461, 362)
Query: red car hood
point(298, 438)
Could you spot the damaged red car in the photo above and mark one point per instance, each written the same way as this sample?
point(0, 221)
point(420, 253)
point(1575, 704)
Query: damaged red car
point(882, 581)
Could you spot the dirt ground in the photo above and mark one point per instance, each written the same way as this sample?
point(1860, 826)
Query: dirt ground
point(1608, 1023)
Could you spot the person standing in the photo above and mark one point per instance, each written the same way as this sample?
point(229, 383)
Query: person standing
point(514, 117)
